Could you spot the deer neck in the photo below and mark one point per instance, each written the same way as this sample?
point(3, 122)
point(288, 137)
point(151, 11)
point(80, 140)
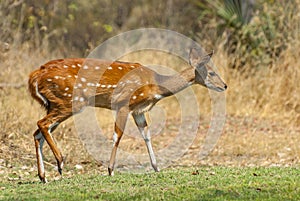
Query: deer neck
point(170, 85)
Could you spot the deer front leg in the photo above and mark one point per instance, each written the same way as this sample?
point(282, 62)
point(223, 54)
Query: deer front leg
point(120, 123)
point(39, 142)
point(141, 123)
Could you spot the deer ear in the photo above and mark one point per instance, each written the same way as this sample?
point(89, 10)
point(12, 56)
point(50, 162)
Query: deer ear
point(196, 60)
point(206, 59)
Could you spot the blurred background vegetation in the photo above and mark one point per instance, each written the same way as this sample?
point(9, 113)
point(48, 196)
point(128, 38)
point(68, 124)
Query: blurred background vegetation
point(255, 31)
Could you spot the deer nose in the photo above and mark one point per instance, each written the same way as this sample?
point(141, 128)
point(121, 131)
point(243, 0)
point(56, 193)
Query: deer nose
point(225, 87)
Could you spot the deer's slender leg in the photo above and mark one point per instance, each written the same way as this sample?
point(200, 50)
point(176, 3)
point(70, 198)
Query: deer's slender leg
point(120, 123)
point(46, 126)
point(39, 142)
point(141, 123)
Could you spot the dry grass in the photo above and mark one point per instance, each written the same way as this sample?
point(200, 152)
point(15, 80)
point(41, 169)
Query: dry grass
point(262, 128)
point(273, 92)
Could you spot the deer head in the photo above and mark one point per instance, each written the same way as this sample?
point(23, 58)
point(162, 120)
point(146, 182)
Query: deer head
point(204, 73)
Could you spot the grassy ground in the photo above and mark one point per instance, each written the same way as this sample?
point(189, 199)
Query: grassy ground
point(205, 183)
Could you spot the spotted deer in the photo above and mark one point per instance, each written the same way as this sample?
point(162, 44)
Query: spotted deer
point(66, 86)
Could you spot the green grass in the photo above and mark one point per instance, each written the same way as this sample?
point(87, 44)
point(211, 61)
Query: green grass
point(205, 183)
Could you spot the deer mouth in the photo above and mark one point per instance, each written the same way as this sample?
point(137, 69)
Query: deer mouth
point(220, 89)
point(216, 88)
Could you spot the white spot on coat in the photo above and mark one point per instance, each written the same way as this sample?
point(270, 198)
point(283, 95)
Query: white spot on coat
point(49, 80)
point(83, 79)
point(97, 67)
point(158, 96)
point(90, 84)
point(67, 88)
point(133, 97)
point(65, 66)
point(109, 68)
point(120, 68)
point(85, 67)
point(81, 99)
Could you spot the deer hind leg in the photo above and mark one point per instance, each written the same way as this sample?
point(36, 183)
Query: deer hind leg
point(39, 142)
point(46, 126)
point(120, 123)
point(141, 123)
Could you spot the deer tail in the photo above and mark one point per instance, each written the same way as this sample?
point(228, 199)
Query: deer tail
point(33, 87)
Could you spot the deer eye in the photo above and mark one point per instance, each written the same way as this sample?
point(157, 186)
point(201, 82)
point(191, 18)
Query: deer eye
point(212, 73)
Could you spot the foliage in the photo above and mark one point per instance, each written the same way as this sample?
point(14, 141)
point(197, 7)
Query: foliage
point(81, 25)
point(256, 32)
